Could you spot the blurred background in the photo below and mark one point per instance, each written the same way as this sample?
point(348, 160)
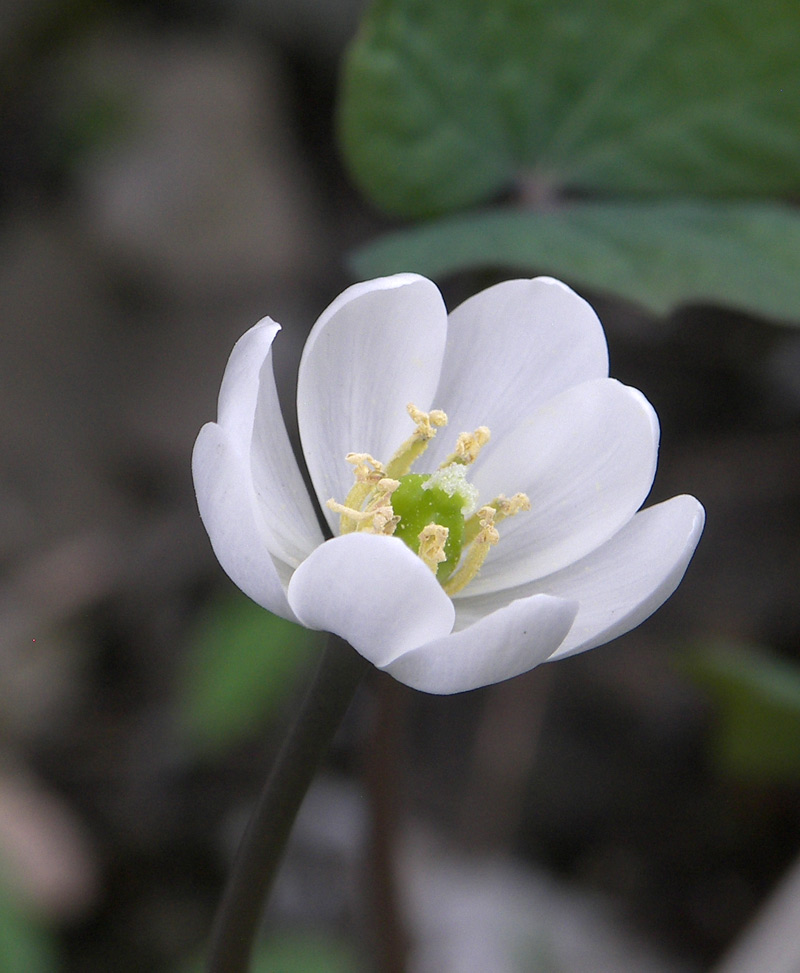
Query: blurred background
point(168, 175)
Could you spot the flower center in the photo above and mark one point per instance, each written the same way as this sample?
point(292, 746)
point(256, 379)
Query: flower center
point(435, 514)
point(422, 505)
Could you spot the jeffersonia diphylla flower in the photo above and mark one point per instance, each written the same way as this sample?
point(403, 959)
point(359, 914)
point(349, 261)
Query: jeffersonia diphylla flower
point(480, 473)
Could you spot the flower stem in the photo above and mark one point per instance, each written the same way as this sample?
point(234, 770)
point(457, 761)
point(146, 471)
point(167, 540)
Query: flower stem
point(384, 775)
point(261, 848)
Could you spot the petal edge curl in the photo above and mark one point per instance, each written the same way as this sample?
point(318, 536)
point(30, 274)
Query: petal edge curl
point(622, 583)
point(238, 393)
point(249, 412)
point(507, 643)
point(226, 509)
point(618, 585)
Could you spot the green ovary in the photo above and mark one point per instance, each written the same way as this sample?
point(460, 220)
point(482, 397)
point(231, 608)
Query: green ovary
point(417, 507)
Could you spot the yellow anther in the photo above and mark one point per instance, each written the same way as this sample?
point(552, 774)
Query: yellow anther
point(503, 507)
point(368, 472)
point(472, 561)
point(488, 532)
point(369, 505)
point(384, 520)
point(416, 444)
point(508, 506)
point(377, 516)
point(367, 468)
point(431, 545)
point(468, 445)
point(426, 422)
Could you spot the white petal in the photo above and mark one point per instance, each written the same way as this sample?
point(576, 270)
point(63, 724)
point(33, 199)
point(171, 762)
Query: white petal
point(586, 460)
point(288, 515)
point(250, 413)
point(374, 592)
point(378, 347)
point(626, 580)
point(226, 502)
point(238, 393)
point(509, 642)
point(512, 347)
point(621, 583)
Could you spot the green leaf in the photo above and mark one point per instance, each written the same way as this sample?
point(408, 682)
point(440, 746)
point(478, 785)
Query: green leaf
point(744, 255)
point(25, 944)
point(296, 953)
point(241, 663)
point(445, 104)
point(303, 954)
point(757, 696)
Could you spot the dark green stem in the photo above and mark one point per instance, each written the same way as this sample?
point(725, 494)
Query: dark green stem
point(384, 778)
point(262, 846)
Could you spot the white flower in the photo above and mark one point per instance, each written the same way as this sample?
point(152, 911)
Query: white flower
point(525, 360)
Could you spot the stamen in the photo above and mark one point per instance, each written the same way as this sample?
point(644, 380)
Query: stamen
point(431, 545)
point(350, 513)
point(476, 553)
point(509, 506)
point(426, 421)
point(378, 513)
point(446, 498)
point(367, 468)
point(417, 443)
point(384, 520)
point(368, 472)
point(503, 507)
point(468, 445)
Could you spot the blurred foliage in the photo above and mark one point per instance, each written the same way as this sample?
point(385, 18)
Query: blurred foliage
point(631, 244)
point(448, 103)
point(634, 106)
point(241, 664)
point(25, 944)
point(303, 954)
point(309, 953)
point(756, 736)
point(88, 121)
point(37, 30)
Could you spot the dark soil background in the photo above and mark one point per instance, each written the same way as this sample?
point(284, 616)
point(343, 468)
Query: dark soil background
point(167, 177)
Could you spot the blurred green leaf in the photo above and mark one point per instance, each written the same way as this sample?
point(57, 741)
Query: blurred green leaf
point(25, 944)
point(295, 953)
point(304, 954)
point(241, 663)
point(657, 254)
point(90, 120)
point(445, 104)
point(757, 695)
